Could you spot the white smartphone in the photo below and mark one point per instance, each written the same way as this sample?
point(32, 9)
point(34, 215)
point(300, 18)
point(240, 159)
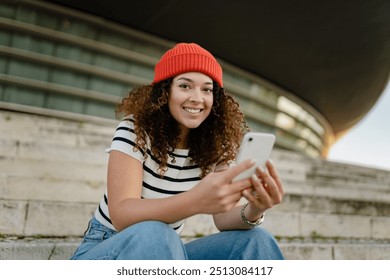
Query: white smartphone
point(256, 146)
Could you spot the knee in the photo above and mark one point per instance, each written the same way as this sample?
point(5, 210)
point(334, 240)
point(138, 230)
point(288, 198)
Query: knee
point(147, 228)
point(260, 232)
point(260, 235)
point(152, 232)
point(268, 247)
point(154, 240)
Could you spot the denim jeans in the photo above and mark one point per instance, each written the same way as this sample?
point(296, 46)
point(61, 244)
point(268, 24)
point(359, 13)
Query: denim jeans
point(152, 240)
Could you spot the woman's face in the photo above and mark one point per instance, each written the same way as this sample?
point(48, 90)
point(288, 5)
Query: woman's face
point(191, 99)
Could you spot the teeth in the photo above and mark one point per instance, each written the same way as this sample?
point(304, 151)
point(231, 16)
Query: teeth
point(192, 111)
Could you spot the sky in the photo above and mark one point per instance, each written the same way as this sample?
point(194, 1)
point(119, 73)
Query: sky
point(368, 142)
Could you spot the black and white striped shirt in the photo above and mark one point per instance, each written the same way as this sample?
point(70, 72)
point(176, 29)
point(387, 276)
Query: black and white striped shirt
point(181, 176)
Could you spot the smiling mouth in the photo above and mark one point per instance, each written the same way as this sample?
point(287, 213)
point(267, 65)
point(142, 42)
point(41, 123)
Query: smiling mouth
point(192, 111)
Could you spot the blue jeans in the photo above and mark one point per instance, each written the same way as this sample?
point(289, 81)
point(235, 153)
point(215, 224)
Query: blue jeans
point(152, 240)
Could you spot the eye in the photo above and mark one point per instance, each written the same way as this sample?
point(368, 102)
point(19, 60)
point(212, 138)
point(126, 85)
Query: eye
point(208, 90)
point(185, 86)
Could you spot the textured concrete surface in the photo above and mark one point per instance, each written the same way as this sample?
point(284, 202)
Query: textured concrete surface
point(63, 248)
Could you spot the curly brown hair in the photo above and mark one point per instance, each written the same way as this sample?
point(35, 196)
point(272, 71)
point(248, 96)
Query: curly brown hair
point(215, 141)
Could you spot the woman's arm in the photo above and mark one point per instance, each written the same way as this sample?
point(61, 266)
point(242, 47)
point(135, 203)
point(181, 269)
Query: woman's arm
point(214, 193)
point(232, 219)
point(124, 186)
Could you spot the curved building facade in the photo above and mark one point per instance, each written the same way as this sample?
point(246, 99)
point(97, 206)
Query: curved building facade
point(55, 60)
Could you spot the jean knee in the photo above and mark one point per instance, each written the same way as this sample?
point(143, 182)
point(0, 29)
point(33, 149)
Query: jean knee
point(261, 234)
point(152, 232)
point(154, 240)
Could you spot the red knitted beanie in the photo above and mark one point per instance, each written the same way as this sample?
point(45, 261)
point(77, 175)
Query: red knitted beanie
point(187, 58)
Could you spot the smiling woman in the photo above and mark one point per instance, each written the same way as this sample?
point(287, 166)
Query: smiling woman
point(162, 166)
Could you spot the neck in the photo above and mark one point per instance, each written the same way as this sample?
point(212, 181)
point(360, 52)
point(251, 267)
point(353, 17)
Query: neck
point(183, 139)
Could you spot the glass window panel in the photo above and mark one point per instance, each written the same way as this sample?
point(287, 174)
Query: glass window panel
point(284, 121)
point(65, 103)
point(100, 109)
point(3, 64)
point(257, 90)
point(67, 78)
point(21, 41)
point(77, 28)
point(23, 96)
point(5, 38)
point(46, 20)
point(74, 53)
point(43, 46)
point(148, 49)
point(112, 63)
point(106, 86)
point(7, 11)
point(238, 81)
point(141, 71)
point(26, 14)
point(28, 70)
point(114, 39)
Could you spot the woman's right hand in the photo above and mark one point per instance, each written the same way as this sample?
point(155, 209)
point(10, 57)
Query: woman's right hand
point(216, 192)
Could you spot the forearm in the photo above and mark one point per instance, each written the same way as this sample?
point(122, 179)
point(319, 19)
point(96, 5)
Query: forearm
point(167, 210)
point(232, 220)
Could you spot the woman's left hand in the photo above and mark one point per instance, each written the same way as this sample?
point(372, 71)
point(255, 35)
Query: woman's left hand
point(267, 190)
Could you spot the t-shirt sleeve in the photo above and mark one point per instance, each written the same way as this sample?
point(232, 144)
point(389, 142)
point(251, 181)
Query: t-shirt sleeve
point(124, 140)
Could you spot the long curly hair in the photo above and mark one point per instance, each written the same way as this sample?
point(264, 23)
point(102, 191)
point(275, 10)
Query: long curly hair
point(215, 141)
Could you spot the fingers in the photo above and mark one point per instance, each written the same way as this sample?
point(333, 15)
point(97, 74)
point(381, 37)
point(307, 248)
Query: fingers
point(258, 195)
point(270, 186)
point(259, 198)
point(263, 190)
point(232, 172)
point(274, 175)
point(222, 186)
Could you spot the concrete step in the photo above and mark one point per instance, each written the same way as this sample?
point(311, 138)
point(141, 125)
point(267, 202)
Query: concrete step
point(307, 169)
point(309, 224)
point(47, 218)
point(296, 223)
point(52, 151)
point(348, 173)
point(37, 248)
point(30, 128)
point(55, 169)
point(296, 216)
point(63, 248)
point(340, 250)
point(50, 188)
point(57, 163)
point(338, 190)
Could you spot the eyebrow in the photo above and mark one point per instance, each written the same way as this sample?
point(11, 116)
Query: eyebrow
point(191, 81)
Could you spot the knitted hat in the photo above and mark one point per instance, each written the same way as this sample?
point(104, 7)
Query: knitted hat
point(187, 58)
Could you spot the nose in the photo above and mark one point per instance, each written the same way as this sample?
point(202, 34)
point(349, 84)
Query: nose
point(196, 95)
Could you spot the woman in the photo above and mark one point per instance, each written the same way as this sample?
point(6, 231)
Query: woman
point(168, 161)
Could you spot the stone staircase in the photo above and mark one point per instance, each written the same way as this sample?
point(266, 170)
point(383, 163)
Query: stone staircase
point(53, 173)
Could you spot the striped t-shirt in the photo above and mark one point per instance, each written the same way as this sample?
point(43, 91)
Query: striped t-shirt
point(181, 175)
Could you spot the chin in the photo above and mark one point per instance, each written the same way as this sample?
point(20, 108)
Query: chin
point(192, 125)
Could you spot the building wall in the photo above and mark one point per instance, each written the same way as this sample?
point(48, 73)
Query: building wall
point(55, 60)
